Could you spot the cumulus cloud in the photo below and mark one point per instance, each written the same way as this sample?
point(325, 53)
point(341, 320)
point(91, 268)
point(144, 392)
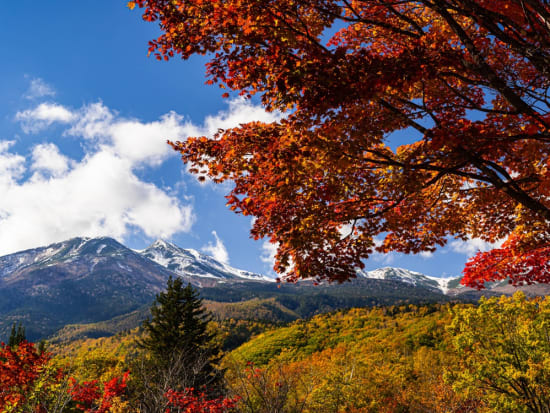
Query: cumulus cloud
point(39, 89)
point(47, 159)
point(42, 116)
point(12, 166)
point(48, 195)
point(382, 258)
point(217, 250)
point(240, 111)
point(268, 253)
point(99, 195)
point(385, 259)
point(139, 142)
point(473, 245)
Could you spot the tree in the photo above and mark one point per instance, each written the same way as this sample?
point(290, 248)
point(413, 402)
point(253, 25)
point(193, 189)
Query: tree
point(188, 401)
point(183, 352)
point(179, 325)
point(504, 352)
point(464, 82)
point(20, 368)
point(90, 398)
point(30, 382)
point(17, 335)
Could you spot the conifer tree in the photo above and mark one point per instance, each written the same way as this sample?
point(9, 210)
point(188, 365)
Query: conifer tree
point(17, 335)
point(182, 349)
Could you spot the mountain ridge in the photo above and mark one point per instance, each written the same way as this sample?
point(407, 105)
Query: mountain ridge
point(88, 280)
point(410, 277)
point(192, 263)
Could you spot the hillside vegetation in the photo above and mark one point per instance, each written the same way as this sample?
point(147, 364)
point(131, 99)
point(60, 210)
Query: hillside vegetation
point(489, 357)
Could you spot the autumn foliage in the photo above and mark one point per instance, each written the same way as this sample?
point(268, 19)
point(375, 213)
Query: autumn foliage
point(190, 401)
point(20, 367)
point(441, 358)
point(404, 124)
point(91, 398)
point(30, 383)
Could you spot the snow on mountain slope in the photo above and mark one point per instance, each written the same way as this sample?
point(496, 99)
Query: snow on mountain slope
point(92, 249)
point(410, 277)
point(192, 263)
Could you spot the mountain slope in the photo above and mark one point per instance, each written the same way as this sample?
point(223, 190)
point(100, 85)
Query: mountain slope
point(275, 303)
point(86, 280)
point(410, 277)
point(79, 280)
point(191, 263)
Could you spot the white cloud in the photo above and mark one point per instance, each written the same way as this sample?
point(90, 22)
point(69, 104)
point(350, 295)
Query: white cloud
point(97, 196)
point(240, 111)
point(47, 159)
point(473, 245)
point(146, 142)
point(12, 166)
point(383, 258)
point(38, 89)
point(217, 250)
point(48, 195)
point(42, 116)
point(268, 253)
point(130, 138)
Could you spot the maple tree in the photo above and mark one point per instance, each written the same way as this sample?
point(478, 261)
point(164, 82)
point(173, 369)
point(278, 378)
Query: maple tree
point(20, 367)
point(464, 82)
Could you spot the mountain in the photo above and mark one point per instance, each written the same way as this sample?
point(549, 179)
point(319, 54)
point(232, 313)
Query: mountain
point(79, 280)
point(413, 278)
point(87, 280)
point(451, 286)
point(203, 269)
point(91, 280)
point(272, 303)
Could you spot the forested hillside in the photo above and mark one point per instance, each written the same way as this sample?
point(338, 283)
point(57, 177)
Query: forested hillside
point(488, 357)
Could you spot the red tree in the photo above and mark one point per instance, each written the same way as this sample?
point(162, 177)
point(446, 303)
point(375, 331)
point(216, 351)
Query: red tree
point(189, 401)
point(20, 367)
point(28, 383)
point(91, 398)
point(466, 81)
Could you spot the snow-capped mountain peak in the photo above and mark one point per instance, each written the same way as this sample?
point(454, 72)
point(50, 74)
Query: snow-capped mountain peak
point(410, 277)
point(60, 252)
point(192, 263)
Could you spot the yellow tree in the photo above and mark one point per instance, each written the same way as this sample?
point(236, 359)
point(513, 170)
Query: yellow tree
point(504, 348)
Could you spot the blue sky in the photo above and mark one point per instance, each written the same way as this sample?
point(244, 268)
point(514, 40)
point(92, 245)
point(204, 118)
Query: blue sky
point(84, 116)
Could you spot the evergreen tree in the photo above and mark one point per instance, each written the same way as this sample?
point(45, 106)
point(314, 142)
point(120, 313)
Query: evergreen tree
point(17, 335)
point(182, 349)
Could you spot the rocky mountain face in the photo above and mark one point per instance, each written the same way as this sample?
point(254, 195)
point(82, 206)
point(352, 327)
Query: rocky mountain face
point(92, 279)
point(202, 269)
